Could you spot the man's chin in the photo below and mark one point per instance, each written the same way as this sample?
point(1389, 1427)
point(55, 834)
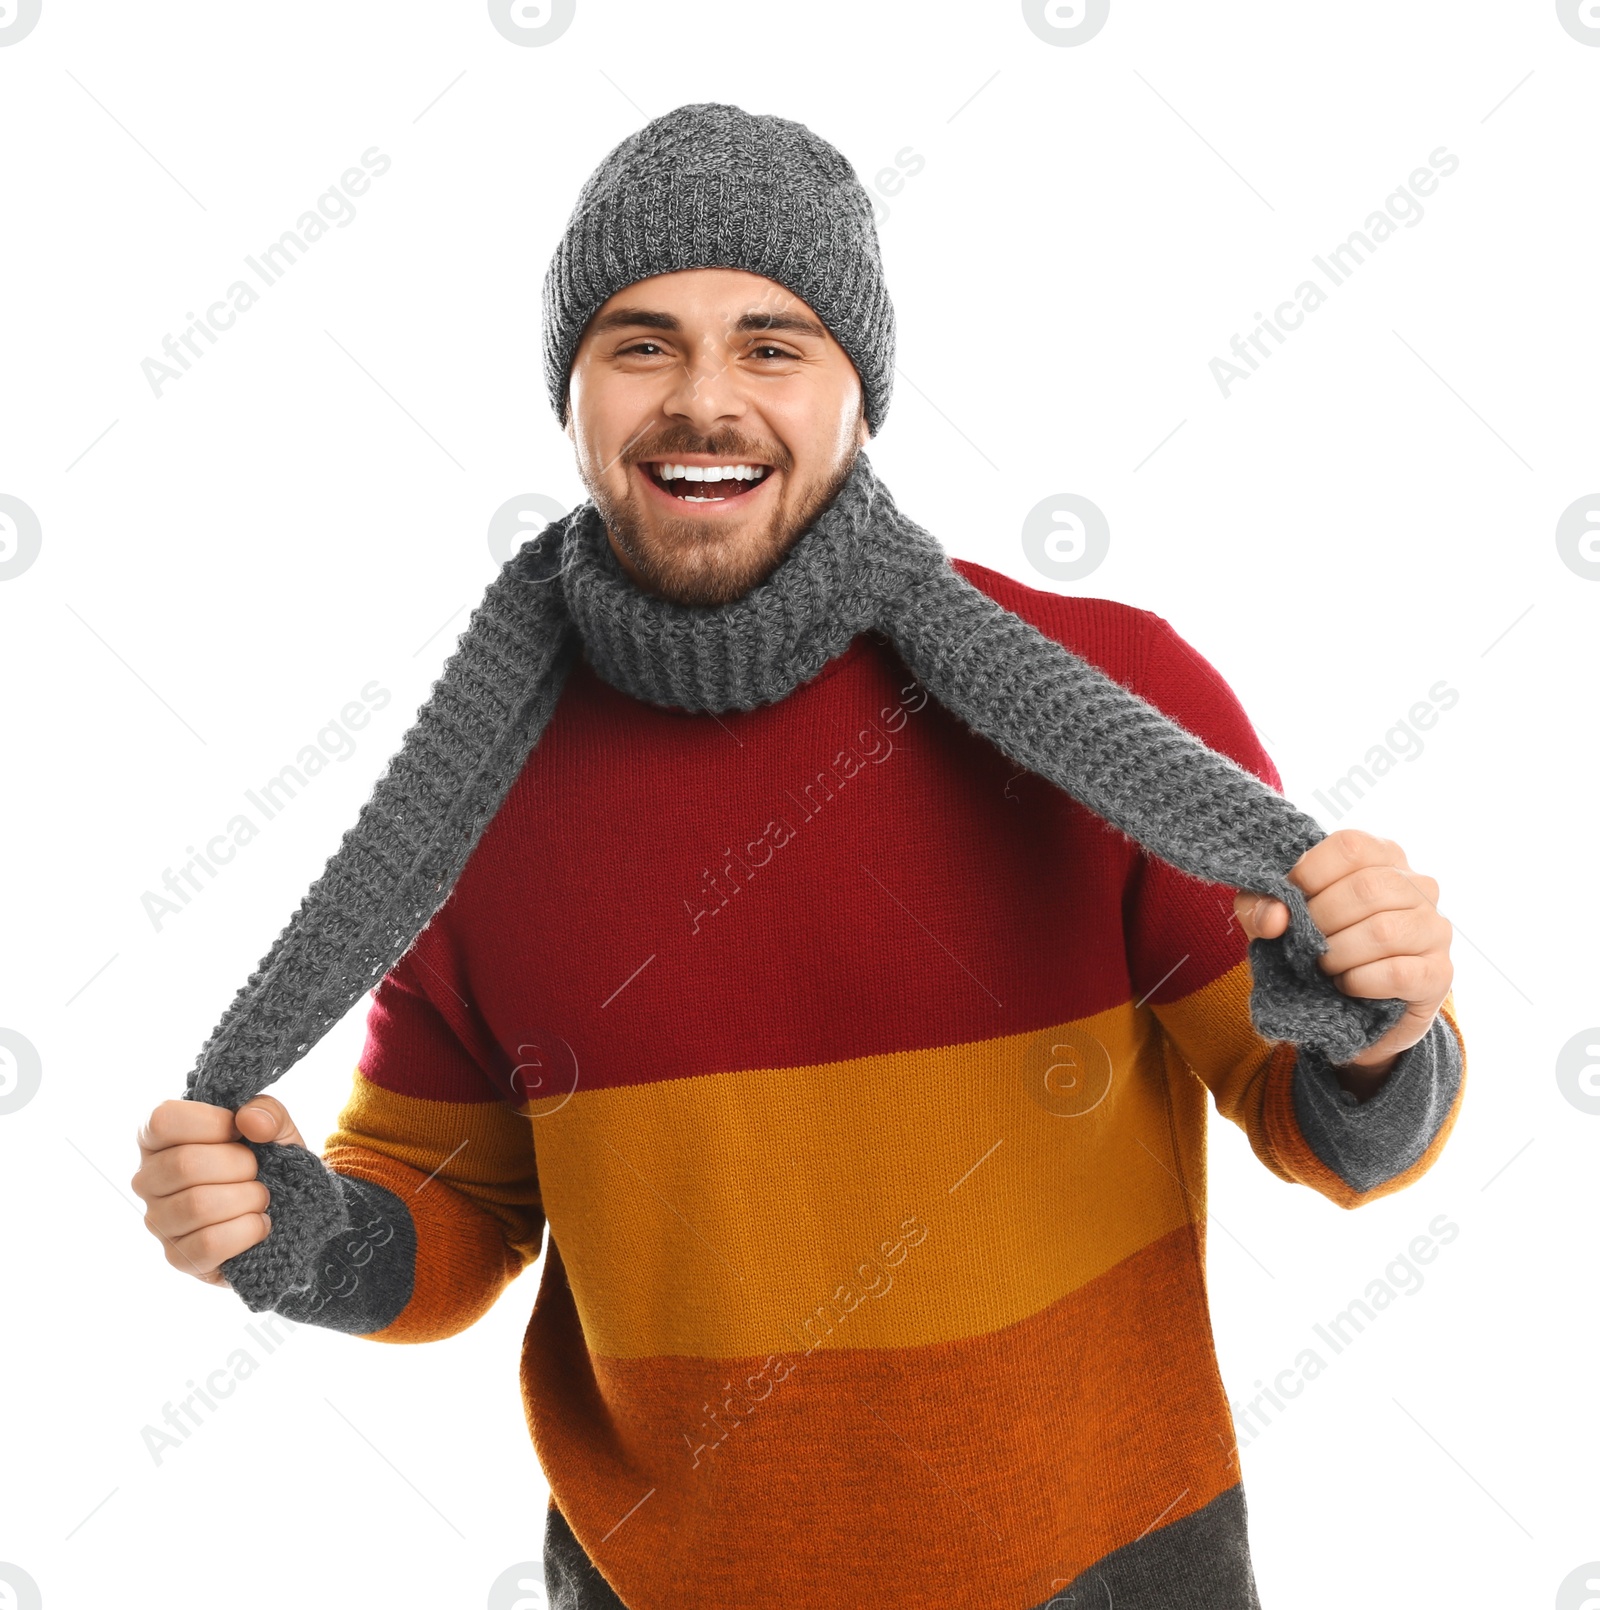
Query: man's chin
point(702, 571)
point(694, 562)
point(687, 562)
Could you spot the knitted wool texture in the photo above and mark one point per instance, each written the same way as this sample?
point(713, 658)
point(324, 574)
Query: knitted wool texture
point(863, 565)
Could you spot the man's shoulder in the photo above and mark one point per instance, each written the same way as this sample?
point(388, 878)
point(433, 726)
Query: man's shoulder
point(1111, 635)
point(1145, 653)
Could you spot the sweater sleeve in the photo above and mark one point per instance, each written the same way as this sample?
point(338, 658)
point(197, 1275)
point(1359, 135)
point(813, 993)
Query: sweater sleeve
point(438, 1173)
point(1189, 963)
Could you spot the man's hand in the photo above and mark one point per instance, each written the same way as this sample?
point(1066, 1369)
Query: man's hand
point(1386, 938)
point(204, 1202)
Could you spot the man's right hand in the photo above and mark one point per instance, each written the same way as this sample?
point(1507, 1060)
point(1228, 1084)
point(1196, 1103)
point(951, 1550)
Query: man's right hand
point(198, 1183)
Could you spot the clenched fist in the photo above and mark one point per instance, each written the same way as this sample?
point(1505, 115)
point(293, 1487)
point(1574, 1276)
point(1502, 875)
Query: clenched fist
point(198, 1183)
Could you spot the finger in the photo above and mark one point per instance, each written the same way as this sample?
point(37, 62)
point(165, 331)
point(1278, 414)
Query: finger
point(179, 1167)
point(207, 1249)
point(1271, 918)
point(1261, 916)
point(1413, 979)
point(1368, 893)
point(186, 1211)
point(1427, 887)
point(1342, 852)
point(265, 1119)
point(179, 1123)
point(212, 1277)
point(1398, 935)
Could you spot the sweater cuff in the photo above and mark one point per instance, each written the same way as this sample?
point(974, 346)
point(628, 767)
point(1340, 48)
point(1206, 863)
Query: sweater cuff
point(1368, 1143)
point(363, 1276)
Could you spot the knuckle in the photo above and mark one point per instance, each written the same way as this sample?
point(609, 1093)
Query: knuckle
point(1369, 884)
point(1409, 972)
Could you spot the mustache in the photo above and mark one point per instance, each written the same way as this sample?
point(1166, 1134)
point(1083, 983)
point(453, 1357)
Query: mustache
point(733, 449)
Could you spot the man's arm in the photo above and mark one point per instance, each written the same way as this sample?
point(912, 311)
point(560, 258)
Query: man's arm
point(436, 1172)
point(1188, 958)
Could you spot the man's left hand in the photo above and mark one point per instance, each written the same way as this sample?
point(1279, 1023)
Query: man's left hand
point(1386, 938)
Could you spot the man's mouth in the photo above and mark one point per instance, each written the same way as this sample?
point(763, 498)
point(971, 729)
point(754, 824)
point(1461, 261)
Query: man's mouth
point(706, 483)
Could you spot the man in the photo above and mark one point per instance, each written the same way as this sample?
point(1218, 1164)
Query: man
point(859, 1077)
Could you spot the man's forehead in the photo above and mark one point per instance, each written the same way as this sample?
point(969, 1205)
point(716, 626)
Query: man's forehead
point(731, 298)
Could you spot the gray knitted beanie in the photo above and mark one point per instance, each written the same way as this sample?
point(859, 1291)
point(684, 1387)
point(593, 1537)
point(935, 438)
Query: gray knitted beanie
point(713, 186)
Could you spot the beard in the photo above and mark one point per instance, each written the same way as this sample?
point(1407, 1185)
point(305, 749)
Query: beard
point(705, 563)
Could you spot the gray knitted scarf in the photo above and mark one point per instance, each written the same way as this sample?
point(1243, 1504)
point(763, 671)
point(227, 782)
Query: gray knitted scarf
point(862, 566)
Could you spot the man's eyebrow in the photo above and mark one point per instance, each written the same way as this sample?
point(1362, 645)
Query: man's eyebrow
point(796, 322)
point(646, 318)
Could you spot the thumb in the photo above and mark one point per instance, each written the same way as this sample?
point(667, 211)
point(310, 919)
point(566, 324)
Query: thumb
point(1260, 915)
point(265, 1119)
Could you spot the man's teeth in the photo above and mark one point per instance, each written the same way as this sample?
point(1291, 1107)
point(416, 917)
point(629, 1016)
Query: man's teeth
point(710, 472)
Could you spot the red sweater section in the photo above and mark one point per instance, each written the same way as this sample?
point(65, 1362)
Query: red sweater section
point(929, 892)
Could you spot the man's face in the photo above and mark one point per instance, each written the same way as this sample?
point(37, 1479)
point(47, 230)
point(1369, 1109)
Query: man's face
point(710, 369)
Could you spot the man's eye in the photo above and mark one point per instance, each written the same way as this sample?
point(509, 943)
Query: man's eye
point(777, 352)
point(639, 346)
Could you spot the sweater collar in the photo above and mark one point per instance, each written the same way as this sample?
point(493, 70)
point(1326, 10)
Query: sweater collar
point(832, 585)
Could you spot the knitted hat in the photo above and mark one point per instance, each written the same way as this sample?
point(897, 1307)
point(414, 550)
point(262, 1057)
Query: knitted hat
point(713, 186)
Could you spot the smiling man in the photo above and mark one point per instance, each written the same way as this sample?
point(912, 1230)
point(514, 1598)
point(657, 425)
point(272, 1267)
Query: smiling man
point(714, 418)
point(745, 912)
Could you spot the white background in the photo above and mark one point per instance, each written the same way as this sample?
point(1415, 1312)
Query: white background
point(224, 567)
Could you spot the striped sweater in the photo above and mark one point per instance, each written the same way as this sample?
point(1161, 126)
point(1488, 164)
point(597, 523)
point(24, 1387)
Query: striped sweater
point(861, 1083)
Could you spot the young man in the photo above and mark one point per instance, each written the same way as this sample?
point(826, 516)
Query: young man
point(859, 1077)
